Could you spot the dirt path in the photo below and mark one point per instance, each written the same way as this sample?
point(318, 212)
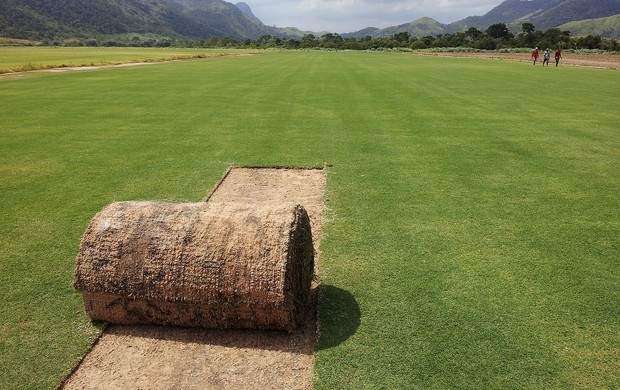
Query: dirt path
point(155, 357)
point(611, 61)
point(10, 75)
point(60, 69)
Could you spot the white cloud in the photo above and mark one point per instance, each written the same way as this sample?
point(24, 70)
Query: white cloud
point(352, 15)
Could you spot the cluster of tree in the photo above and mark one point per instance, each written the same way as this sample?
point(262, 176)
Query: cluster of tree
point(135, 41)
point(497, 36)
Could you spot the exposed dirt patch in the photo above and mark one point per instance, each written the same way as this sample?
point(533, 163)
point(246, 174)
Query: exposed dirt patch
point(611, 61)
point(10, 75)
point(68, 68)
point(154, 357)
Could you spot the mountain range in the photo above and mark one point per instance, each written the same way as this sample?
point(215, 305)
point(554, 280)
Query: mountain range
point(543, 14)
point(188, 19)
point(201, 19)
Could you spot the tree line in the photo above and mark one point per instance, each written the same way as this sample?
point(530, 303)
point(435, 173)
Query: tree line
point(495, 37)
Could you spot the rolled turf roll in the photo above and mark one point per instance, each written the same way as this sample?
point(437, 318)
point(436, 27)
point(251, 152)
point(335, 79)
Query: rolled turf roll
point(197, 264)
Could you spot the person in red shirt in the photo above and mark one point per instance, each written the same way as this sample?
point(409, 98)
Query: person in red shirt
point(535, 55)
point(558, 55)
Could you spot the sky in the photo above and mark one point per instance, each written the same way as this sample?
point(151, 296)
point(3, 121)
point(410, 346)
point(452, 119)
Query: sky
point(342, 16)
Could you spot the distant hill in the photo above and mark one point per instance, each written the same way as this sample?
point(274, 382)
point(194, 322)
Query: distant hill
point(61, 19)
point(572, 10)
point(366, 32)
point(294, 32)
point(607, 27)
point(202, 19)
point(507, 12)
point(245, 8)
point(419, 28)
point(57, 18)
point(544, 14)
point(217, 18)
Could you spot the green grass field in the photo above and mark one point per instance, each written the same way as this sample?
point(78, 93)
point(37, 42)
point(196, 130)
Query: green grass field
point(16, 59)
point(473, 232)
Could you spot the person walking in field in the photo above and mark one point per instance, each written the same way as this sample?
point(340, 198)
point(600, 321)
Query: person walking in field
point(546, 56)
point(558, 55)
point(535, 55)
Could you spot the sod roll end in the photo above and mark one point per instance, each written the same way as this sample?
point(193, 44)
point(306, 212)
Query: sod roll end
point(197, 264)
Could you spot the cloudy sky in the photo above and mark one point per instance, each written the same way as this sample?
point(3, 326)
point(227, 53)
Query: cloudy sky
point(341, 16)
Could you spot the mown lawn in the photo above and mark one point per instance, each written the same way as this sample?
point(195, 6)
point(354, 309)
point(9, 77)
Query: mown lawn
point(472, 238)
point(18, 59)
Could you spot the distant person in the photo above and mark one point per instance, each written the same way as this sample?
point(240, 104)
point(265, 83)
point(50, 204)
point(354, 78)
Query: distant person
point(535, 55)
point(546, 56)
point(558, 55)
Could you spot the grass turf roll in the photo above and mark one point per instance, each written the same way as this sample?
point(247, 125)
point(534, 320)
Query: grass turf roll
point(197, 264)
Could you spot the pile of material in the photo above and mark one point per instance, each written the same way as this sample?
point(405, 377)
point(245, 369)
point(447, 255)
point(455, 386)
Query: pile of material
point(197, 264)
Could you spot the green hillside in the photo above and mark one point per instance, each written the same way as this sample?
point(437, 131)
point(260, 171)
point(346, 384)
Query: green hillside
point(544, 14)
point(64, 19)
point(607, 27)
point(573, 10)
point(417, 28)
point(83, 20)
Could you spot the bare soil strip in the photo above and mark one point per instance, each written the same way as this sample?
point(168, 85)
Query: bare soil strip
point(75, 68)
point(610, 61)
point(7, 74)
point(155, 357)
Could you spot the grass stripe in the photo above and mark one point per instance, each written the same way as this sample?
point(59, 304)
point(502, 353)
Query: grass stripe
point(473, 219)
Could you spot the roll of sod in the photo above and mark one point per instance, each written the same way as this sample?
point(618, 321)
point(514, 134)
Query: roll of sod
point(197, 264)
